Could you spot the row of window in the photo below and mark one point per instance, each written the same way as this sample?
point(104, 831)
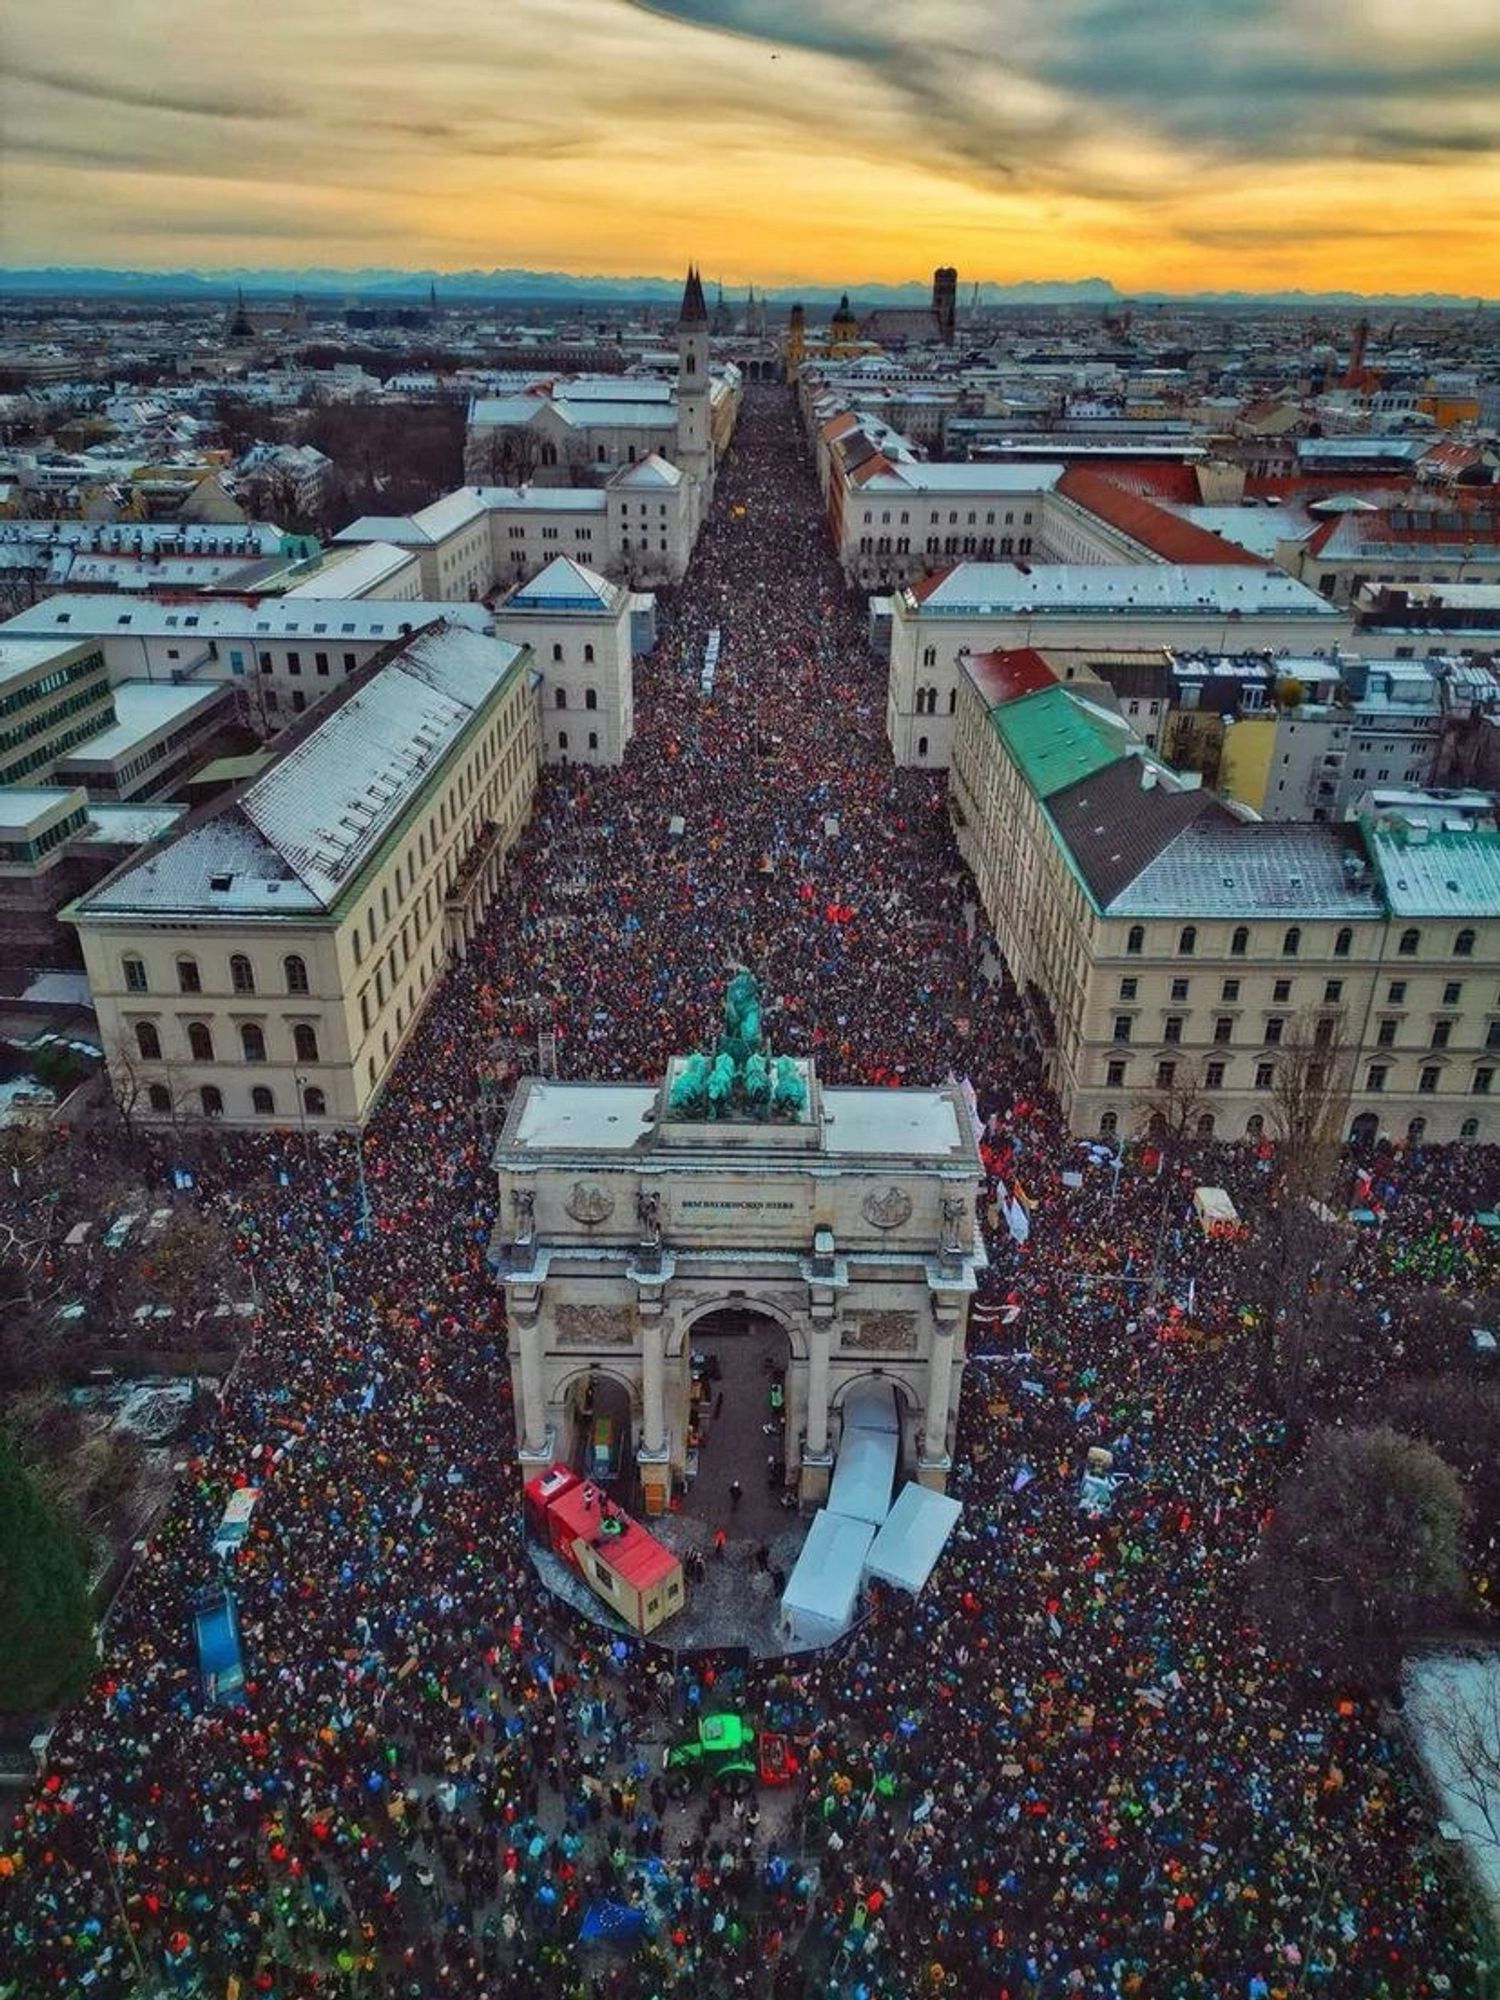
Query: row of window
point(867, 520)
point(31, 692)
point(1481, 1084)
point(241, 974)
point(590, 696)
point(210, 1100)
point(927, 699)
point(1281, 991)
point(1362, 1132)
point(1408, 945)
point(252, 1041)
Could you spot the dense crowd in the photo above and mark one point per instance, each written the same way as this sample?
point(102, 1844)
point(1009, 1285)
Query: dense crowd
point(1071, 1768)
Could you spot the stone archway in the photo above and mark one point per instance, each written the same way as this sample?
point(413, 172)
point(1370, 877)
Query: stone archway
point(588, 1392)
point(908, 1408)
point(741, 1414)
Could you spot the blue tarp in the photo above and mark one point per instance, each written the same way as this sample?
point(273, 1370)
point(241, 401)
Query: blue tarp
point(216, 1628)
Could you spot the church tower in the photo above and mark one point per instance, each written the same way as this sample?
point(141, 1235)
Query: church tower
point(695, 454)
point(796, 340)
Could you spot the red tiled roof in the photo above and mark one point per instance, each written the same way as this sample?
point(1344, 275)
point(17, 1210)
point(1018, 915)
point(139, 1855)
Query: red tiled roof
point(924, 586)
point(1153, 478)
point(1167, 535)
point(1009, 673)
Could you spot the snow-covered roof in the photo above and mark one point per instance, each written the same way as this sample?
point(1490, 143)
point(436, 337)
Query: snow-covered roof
point(564, 585)
point(1004, 589)
point(653, 471)
point(298, 836)
point(82, 616)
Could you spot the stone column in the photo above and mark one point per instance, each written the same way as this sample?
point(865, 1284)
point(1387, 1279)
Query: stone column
point(817, 1389)
point(816, 1468)
point(935, 1463)
point(653, 1387)
point(533, 1394)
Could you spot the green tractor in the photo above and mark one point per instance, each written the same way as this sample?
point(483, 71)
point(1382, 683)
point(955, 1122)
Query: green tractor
point(721, 1752)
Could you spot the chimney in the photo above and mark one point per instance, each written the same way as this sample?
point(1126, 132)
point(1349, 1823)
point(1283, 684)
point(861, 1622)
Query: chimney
point(1148, 776)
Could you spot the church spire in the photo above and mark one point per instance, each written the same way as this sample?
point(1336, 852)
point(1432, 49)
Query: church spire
point(694, 309)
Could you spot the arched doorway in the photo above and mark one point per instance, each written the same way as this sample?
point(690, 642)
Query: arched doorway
point(598, 1429)
point(739, 1412)
point(1365, 1129)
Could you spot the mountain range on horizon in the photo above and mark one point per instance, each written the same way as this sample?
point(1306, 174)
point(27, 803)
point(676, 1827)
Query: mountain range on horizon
point(563, 287)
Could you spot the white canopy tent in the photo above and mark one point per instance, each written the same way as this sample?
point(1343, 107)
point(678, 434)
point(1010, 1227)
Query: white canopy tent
point(913, 1536)
point(822, 1591)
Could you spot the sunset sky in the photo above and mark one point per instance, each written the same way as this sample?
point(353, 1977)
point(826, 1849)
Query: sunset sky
point(1174, 144)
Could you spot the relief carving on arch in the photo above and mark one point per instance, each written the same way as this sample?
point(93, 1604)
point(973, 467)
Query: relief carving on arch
point(594, 1326)
point(884, 1332)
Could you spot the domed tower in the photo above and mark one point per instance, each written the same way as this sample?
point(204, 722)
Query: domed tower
point(695, 452)
point(843, 328)
point(796, 341)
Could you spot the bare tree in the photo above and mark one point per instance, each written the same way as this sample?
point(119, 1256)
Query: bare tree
point(1456, 1712)
point(1310, 1093)
point(1291, 1272)
point(1172, 1110)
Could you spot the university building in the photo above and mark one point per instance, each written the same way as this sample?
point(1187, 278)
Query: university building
point(1173, 950)
point(267, 961)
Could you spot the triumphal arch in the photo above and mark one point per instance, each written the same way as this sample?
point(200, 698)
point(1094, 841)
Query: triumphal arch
point(628, 1213)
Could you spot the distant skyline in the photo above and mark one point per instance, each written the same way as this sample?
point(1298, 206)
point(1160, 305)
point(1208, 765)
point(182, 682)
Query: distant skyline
point(1176, 145)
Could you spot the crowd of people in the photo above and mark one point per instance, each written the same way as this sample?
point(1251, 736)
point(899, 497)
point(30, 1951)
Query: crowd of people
point(1071, 1768)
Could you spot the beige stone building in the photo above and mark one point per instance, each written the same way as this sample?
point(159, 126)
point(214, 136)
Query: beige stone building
point(1175, 952)
point(577, 626)
point(850, 1226)
point(267, 962)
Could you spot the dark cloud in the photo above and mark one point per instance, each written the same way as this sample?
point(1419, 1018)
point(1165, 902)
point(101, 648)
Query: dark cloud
point(212, 101)
point(1236, 78)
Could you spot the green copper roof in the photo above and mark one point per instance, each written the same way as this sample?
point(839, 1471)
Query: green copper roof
point(1436, 871)
point(1056, 739)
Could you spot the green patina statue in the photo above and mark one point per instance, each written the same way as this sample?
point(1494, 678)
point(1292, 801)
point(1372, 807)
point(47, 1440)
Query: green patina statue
point(741, 1079)
point(789, 1092)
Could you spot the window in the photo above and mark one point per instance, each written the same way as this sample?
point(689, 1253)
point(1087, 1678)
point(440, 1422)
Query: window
point(1213, 1075)
point(1128, 988)
point(1275, 1023)
point(921, 746)
point(1239, 944)
point(253, 1042)
point(1333, 992)
point(1206, 1125)
point(1453, 992)
point(1114, 1073)
point(159, 1097)
point(1135, 942)
point(1492, 1035)
point(593, 739)
point(1223, 1029)
point(1265, 1075)
point(1395, 993)
point(200, 1041)
point(929, 656)
point(1179, 989)
point(295, 968)
point(148, 1041)
point(1410, 940)
point(1109, 1124)
point(1415, 1130)
point(1376, 1076)
point(305, 1042)
point(1291, 944)
point(1173, 1029)
point(562, 740)
point(212, 1100)
point(241, 973)
point(261, 1101)
point(1427, 1079)
point(188, 980)
point(1166, 1075)
point(1483, 1078)
point(1343, 943)
point(1385, 1036)
point(1122, 1027)
point(135, 975)
point(315, 1102)
point(1463, 945)
point(1281, 992)
point(1441, 1031)
point(1187, 940)
point(1230, 990)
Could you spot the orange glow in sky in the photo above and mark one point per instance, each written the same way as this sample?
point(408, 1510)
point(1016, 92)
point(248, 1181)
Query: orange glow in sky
point(1172, 144)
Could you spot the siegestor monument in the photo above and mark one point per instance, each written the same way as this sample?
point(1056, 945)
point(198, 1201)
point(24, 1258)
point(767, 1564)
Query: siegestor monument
point(627, 1213)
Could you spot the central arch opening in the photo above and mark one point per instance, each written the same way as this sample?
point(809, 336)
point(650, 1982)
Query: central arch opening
point(739, 1412)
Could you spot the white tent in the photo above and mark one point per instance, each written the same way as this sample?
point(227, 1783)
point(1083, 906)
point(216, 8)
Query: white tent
point(864, 1475)
point(871, 1406)
point(822, 1591)
point(912, 1538)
